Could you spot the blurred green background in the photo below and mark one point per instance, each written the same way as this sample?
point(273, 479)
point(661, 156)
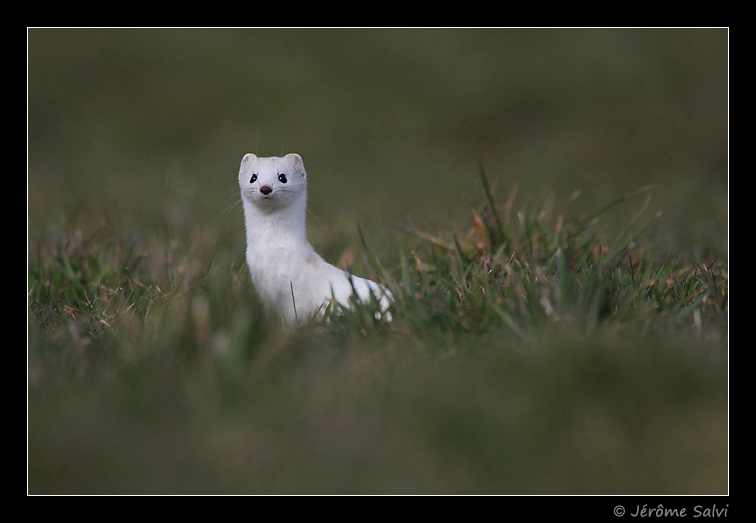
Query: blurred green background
point(137, 135)
point(391, 122)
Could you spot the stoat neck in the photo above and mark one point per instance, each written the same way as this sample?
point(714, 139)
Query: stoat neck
point(279, 226)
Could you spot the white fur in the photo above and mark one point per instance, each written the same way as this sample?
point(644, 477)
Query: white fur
point(292, 280)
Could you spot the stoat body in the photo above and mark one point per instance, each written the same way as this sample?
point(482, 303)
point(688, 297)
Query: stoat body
point(293, 282)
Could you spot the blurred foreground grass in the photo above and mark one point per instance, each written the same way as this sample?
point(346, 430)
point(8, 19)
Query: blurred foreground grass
point(563, 367)
point(542, 343)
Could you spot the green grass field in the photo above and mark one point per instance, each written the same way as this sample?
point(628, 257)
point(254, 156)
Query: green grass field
point(549, 207)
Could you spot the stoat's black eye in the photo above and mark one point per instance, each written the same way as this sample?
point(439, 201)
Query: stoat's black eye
point(282, 178)
point(253, 179)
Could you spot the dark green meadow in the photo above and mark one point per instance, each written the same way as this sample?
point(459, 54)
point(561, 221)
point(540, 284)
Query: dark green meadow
point(549, 207)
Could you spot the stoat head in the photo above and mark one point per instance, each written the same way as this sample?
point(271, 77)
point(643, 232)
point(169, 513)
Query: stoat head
point(272, 183)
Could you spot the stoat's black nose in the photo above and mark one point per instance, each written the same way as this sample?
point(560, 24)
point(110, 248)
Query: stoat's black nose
point(266, 190)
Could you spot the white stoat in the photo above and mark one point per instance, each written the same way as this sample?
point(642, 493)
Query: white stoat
point(293, 282)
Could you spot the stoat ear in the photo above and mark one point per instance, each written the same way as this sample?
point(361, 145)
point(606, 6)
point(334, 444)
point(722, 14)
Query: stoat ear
point(246, 161)
point(248, 158)
point(296, 161)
